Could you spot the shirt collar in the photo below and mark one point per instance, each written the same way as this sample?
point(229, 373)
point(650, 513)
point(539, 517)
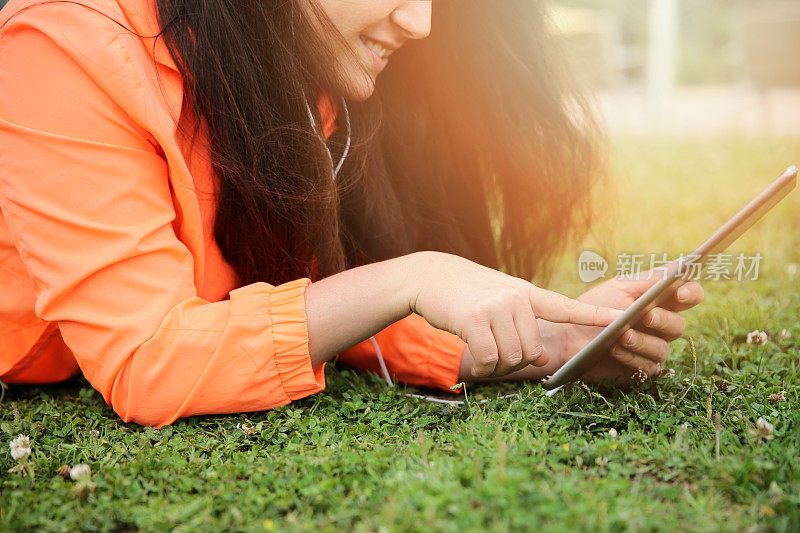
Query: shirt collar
point(328, 107)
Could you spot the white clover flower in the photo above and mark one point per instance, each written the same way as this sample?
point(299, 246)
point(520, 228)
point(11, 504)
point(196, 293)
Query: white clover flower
point(639, 377)
point(757, 337)
point(612, 433)
point(80, 471)
point(764, 428)
point(785, 334)
point(247, 430)
point(20, 448)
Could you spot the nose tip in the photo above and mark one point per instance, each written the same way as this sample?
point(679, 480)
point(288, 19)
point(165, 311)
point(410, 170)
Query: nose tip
point(414, 17)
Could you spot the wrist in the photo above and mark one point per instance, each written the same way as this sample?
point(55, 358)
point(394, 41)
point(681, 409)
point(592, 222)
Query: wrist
point(413, 268)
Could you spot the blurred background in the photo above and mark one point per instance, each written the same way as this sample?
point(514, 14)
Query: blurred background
point(688, 66)
point(701, 99)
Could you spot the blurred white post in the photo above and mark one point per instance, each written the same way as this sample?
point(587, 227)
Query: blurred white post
point(661, 57)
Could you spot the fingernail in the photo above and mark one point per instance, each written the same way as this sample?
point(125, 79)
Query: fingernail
point(683, 294)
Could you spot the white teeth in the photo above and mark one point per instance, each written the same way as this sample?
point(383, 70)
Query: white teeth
point(376, 47)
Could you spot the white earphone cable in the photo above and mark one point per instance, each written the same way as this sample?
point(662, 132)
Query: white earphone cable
point(433, 399)
point(335, 171)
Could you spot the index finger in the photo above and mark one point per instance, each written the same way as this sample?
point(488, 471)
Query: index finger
point(556, 307)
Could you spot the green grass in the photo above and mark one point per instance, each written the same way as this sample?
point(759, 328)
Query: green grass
point(361, 457)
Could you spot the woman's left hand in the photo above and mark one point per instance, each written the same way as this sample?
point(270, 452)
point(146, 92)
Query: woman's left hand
point(646, 345)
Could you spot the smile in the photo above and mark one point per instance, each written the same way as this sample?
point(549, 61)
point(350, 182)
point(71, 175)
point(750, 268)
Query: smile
point(380, 50)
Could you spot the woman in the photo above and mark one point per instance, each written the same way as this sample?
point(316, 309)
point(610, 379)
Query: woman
point(204, 202)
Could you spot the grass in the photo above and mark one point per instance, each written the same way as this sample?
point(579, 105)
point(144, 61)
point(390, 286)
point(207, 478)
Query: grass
point(361, 457)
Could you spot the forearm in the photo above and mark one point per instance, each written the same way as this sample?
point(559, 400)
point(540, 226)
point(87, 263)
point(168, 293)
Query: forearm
point(349, 307)
point(554, 341)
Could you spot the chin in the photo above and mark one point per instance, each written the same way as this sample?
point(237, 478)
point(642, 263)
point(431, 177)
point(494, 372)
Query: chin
point(358, 88)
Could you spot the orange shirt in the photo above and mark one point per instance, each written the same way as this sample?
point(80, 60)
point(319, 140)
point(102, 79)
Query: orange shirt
point(108, 263)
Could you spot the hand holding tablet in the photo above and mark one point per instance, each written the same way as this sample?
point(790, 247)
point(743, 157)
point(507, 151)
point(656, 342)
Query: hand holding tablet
point(672, 276)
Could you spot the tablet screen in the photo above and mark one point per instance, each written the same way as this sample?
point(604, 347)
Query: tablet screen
point(672, 276)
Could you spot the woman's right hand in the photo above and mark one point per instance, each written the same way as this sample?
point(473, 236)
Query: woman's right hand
point(494, 313)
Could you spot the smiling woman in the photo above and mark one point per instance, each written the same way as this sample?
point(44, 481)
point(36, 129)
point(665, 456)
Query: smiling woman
point(174, 229)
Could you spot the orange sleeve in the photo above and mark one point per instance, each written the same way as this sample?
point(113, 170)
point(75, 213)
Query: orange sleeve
point(87, 200)
point(414, 352)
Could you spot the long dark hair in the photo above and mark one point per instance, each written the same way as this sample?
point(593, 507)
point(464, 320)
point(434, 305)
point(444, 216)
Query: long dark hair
point(477, 142)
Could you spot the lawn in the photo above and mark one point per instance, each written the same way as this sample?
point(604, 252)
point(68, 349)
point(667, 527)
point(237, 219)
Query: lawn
point(685, 451)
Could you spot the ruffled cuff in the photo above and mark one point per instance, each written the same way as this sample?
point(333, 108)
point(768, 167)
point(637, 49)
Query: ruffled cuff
point(445, 353)
point(287, 311)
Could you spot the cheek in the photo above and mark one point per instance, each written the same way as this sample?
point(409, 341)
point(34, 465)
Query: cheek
point(354, 17)
point(344, 15)
point(350, 17)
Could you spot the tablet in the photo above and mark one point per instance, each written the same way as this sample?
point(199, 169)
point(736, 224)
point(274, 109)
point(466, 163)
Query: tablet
point(673, 275)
